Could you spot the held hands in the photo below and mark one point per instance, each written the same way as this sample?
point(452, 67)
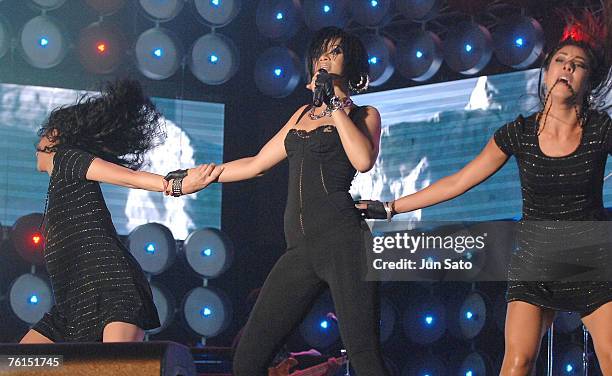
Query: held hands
point(371, 209)
point(192, 180)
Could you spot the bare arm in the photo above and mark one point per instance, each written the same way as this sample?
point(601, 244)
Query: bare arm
point(361, 144)
point(479, 169)
point(270, 155)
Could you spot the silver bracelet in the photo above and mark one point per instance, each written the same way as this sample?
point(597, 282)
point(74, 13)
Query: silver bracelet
point(388, 210)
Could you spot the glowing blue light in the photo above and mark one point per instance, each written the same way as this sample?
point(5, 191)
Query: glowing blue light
point(419, 54)
point(429, 319)
point(206, 252)
point(33, 299)
point(43, 42)
point(468, 373)
point(326, 8)
point(374, 3)
point(150, 248)
point(468, 47)
point(158, 52)
point(469, 315)
point(373, 60)
point(215, 2)
point(278, 72)
point(569, 368)
point(519, 42)
point(213, 59)
point(279, 16)
point(205, 312)
point(324, 324)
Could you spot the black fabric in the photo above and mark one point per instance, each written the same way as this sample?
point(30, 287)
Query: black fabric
point(95, 279)
point(326, 240)
point(567, 188)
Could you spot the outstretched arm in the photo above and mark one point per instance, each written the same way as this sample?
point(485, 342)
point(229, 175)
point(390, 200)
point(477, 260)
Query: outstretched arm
point(271, 154)
point(490, 159)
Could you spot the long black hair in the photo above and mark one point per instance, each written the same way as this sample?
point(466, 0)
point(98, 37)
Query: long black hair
point(119, 126)
point(356, 66)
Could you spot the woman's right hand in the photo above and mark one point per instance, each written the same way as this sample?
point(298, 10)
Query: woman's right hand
point(372, 209)
point(196, 178)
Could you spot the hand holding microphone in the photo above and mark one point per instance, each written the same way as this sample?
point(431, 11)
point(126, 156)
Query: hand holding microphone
point(323, 88)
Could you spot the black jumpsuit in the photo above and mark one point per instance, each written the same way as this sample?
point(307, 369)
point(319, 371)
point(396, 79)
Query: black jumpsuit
point(567, 189)
point(325, 247)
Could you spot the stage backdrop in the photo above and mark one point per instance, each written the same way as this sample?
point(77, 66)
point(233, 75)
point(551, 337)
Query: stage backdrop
point(431, 131)
point(194, 136)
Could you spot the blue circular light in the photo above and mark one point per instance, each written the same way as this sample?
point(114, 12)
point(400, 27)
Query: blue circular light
point(278, 72)
point(419, 54)
point(569, 368)
point(205, 312)
point(43, 42)
point(279, 16)
point(215, 2)
point(33, 299)
point(519, 42)
point(374, 3)
point(469, 315)
point(150, 248)
point(326, 8)
point(206, 252)
point(373, 60)
point(468, 373)
point(324, 324)
point(158, 52)
point(468, 47)
point(429, 319)
point(213, 59)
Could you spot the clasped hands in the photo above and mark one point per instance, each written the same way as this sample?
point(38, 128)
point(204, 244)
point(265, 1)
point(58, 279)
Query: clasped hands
point(182, 182)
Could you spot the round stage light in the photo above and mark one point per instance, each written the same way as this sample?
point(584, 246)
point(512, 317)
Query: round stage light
point(278, 19)
point(471, 7)
point(419, 55)
point(162, 11)
point(467, 315)
point(5, 36)
point(30, 297)
point(388, 318)
point(106, 7)
point(165, 305)
point(429, 365)
point(43, 43)
point(321, 13)
point(153, 246)
point(468, 48)
point(27, 238)
point(209, 252)
point(217, 13)
point(419, 10)
point(277, 72)
point(101, 47)
point(425, 321)
point(567, 322)
point(370, 12)
point(319, 328)
point(381, 56)
point(158, 53)
point(47, 4)
point(207, 311)
point(568, 360)
point(214, 59)
point(475, 364)
point(518, 41)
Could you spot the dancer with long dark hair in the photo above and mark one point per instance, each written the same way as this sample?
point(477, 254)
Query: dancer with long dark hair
point(100, 291)
point(561, 153)
point(325, 147)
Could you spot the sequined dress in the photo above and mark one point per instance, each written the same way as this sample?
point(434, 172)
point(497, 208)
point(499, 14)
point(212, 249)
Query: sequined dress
point(95, 279)
point(565, 189)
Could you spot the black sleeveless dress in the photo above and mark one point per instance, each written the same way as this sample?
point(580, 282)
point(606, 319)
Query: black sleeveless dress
point(95, 279)
point(567, 191)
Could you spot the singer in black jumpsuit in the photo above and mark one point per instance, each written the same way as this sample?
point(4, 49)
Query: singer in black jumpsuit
point(326, 247)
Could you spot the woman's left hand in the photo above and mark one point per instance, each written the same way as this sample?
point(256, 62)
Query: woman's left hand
point(372, 209)
point(196, 178)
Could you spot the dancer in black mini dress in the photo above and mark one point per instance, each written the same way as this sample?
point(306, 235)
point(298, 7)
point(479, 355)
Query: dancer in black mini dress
point(100, 291)
point(561, 153)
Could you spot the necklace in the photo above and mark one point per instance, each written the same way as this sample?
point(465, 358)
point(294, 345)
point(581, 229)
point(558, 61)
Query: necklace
point(339, 104)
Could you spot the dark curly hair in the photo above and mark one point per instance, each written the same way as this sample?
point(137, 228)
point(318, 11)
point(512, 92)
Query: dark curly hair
point(119, 126)
point(356, 66)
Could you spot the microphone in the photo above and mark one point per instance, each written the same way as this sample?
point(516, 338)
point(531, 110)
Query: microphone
point(317, 95)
